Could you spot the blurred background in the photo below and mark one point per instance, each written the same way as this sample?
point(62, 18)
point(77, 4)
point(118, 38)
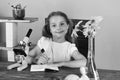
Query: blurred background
point(107, 42)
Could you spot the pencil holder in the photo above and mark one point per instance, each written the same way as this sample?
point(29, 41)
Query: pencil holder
point(18, 14)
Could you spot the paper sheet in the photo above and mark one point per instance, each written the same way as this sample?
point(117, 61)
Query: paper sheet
point(42, 67)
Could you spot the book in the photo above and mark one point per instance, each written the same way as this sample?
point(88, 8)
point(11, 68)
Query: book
point(43, 68)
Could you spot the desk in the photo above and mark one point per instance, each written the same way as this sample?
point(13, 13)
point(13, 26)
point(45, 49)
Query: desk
point(27, 75)
point(11, 27)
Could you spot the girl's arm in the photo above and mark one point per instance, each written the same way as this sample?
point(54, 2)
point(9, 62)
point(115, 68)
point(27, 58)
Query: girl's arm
point(33, 53)
point(79, 61)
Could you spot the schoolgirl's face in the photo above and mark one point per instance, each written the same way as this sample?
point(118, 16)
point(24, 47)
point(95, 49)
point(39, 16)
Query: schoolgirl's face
point(58, 26)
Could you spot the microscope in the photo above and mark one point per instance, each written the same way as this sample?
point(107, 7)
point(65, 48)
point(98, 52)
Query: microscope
point(21, 50)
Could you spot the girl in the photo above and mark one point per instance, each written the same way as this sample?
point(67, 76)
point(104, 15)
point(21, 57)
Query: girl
point(55, 47)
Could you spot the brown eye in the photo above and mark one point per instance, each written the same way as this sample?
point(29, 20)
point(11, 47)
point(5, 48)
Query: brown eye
point(53, 25)
point(62, 24)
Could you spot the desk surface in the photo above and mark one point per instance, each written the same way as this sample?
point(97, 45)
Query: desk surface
point(27, 75)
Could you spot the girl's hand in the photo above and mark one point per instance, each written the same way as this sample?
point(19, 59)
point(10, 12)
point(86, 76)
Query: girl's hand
point(42, 60)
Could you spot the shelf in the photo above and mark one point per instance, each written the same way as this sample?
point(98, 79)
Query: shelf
point(11, 19)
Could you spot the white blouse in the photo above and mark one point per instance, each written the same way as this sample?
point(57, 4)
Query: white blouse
point(56, 52)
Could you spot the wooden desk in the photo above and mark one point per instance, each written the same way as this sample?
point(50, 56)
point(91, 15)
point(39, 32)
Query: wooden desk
point(27, 75)
point(11, 28)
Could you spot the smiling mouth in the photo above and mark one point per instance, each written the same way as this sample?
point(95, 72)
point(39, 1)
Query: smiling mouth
point(60, 32)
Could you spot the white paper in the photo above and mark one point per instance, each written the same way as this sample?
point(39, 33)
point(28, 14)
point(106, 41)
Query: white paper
point(42, 67)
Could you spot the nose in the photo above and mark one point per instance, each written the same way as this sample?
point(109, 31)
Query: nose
point(58, 27)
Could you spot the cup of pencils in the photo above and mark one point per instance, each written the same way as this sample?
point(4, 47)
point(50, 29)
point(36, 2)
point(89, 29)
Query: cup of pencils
point(18, 12)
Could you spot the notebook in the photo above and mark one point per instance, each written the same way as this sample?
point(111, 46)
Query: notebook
point(43, 68)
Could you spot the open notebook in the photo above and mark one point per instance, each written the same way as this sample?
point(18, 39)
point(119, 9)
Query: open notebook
point(43, 68)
